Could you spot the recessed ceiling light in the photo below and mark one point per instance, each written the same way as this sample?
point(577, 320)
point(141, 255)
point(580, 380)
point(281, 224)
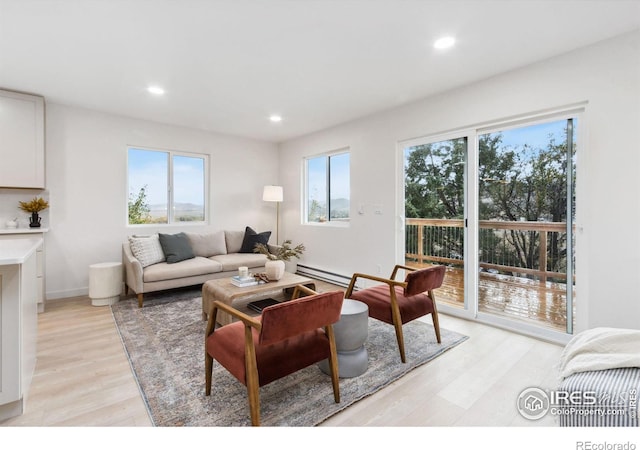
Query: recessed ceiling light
point(275, 118)
point(444, 42)
point(156, 90)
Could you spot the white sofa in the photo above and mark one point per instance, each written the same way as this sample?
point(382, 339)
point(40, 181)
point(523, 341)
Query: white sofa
point(214, 255)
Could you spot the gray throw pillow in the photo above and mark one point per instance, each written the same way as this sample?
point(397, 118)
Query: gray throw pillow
point(176, 247)
point(251, 238)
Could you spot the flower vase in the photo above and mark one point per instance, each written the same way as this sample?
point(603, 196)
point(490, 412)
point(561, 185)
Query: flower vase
point(274, 269)
point(34, 220)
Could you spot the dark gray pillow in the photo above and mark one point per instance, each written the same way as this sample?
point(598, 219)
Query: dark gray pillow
point(176, 247)
point(251, 238)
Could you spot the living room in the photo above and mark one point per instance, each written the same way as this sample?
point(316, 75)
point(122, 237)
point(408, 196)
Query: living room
point(86, 149)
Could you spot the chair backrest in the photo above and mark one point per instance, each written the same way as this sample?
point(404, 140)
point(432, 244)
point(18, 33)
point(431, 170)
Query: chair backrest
point(298, 316)
point(422, 280)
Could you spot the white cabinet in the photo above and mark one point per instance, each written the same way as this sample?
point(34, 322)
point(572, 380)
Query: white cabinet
point(18, 322)
point(21, 140)
point(30, 233)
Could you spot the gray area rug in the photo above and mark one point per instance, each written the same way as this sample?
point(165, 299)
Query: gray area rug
point(164, 342)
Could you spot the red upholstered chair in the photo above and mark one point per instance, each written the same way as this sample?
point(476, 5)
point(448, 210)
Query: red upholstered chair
point(399, 302)
point(286, 338)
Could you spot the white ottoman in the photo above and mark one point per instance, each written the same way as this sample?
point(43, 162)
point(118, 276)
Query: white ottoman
point(351, 332)
point(105, 283)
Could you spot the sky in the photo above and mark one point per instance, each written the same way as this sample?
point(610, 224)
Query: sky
point(535, 135)
point(340, 179)
point(150, 168)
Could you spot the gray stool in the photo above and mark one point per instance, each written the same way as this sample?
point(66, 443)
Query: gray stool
point(351, 333)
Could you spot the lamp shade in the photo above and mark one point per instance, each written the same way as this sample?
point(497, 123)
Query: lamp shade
point(272, 194)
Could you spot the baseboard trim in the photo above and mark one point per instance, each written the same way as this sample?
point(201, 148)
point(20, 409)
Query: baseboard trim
point(324, 275)
point(56, 295)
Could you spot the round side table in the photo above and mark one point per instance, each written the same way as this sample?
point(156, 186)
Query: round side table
point(105, 283)
point(351, 332)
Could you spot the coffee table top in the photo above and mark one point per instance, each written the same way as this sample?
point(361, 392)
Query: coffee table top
point(222, 287)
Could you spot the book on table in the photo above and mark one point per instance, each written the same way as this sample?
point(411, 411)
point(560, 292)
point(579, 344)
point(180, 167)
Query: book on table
point(243, 281)
point(259, 305)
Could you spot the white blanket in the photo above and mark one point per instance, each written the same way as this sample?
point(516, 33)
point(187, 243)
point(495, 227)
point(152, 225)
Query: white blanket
point(600, 349)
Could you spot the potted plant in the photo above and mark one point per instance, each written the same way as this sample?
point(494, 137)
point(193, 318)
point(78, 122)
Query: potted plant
point(34, 207)
point(275, 265)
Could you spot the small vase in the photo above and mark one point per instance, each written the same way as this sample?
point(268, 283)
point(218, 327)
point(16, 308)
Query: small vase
point(34, 220)
point(274, 269)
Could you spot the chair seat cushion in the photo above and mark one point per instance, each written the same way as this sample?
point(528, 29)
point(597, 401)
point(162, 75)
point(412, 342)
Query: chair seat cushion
point(226, 345)
point(377, 298)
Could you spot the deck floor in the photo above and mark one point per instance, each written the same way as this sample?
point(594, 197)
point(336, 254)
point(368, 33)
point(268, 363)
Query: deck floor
point(540, 303)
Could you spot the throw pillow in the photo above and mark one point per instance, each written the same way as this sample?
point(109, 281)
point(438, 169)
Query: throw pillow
point(176, 247)
point(251, 238)
point(208, 244)
point(146, 249)
point(233, 240)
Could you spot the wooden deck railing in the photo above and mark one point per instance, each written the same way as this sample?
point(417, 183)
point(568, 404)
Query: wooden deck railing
point(441, 241)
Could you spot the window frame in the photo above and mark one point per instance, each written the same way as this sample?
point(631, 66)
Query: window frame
point(170, 186)
point(345, 222)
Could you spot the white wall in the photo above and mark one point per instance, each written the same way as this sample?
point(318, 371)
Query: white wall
point(86, 163)
point(606, 75)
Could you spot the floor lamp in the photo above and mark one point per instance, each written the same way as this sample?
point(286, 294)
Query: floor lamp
point(274, 194)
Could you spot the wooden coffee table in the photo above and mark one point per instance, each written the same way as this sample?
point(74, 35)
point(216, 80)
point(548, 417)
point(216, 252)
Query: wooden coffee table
point(223, 290)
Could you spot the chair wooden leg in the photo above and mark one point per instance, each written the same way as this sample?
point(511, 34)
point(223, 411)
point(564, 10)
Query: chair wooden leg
point(333, 364)
point(397, 323)
point(436, 325)
point(400, 338)
point(434, 317)
point(253, 391)
point(140, 300)
point(253, 384)
point(208, 371)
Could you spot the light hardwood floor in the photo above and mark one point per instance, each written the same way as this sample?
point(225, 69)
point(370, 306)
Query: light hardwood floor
point(83, 378)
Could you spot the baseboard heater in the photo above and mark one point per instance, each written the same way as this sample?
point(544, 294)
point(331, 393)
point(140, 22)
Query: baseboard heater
point(324, 275)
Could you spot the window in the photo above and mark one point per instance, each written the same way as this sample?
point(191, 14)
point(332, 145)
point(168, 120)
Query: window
point(166, 187)
point(327, 190)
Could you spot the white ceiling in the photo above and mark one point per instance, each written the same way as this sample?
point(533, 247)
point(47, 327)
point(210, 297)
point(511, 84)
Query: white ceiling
point(226, 65)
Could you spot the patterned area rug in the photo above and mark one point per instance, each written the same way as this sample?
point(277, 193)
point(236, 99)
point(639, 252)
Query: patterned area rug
point(165, 345)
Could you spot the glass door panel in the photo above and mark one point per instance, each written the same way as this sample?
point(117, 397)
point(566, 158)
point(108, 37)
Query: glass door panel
point(434, 188)
point(525, 231)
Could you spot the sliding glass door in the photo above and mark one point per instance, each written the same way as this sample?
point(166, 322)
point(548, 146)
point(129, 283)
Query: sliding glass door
point(497, 207)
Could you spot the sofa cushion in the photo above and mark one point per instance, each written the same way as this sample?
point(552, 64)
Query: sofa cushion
point(146, 249)
point(208, 244)
point(183, 269)
point(176, 247)
point(234, 240)
point(232, 261)
point(251, 239)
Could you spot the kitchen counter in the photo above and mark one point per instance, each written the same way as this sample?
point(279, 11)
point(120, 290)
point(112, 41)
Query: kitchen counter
point(17, 251)
point(19, 290)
